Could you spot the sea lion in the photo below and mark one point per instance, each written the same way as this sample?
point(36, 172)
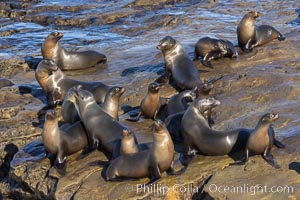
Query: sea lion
point(250, 36)
point(260, 141)
point(110, 104)
point(148, 163)
point(4, 82)
point(112, 101)
point(69, 60)
point(173, 123)
point(151, 103)
point(55, 84)
point(209, 48)
point(103, 131)
point(129, 145)
point(199, 137)
point(180, 67)
point(180, 102)
point(62, 141)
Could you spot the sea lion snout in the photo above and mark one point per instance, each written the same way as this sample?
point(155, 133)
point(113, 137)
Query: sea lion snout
point(51, 115)
point(57, 35)
point(154, 87)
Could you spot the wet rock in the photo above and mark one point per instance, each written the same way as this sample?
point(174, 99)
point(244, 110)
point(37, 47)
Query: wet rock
point(257, 179)
point(29, 170)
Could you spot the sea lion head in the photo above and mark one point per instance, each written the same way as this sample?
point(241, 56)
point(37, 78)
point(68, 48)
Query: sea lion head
point(46, 68)
point(189, 95)
point(252, 15)
point(51, 115)
point(81, 97)
point(269, 118)
point(207, 104)
point(54, 36)
point(158, 126)
point(153, 87)
point(127, 133)
point(166, 43)
point(116, 91)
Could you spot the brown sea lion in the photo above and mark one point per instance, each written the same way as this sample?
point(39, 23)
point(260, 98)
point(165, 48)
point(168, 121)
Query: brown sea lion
point(148, 163)
point(129, 145)
point(62, 141)
point(55, 84)
point(4, 82)
point(209, 48)
point(181, 68)
point(69, 60)
point(250, 36)
point(260, 141)
point(151, 103)
point(110, 105)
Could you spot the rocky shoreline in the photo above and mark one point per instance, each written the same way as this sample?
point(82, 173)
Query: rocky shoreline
point(265, 80)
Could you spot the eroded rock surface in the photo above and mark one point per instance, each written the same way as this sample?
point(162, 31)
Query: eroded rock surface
point(259, 180)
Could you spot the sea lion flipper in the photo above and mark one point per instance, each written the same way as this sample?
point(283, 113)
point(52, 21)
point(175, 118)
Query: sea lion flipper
point(243, 161)
point(171, 170)
point(135, 119)
point(278, 144)
point(271, 160)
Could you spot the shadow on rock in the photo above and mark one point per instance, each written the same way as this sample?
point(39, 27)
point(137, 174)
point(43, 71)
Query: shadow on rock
point(295, 166)
point(32, 62)
point(11, 149)
point(156, 68)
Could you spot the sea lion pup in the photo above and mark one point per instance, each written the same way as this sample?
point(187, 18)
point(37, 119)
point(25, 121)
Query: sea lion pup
point(181, 68)
point(209, 48)
point(55, 84)
point(62, 142)
point(151, 103)
point(110, 105)
point(148, 163)
point(4, 82)
point(69, 60)
point(199, 137)
point(250, 36)
point(260, 141)
point(129, 145)
point(102, 130)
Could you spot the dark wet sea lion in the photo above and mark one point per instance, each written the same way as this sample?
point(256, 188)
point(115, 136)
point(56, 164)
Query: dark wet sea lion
point(103, 131)
point(110, 105)
point(260, 141)
point(250, 36)
point(4, 82)
point(62, 141)
point(151, 103)
point(55, 84)
point(209, 48)
point(199, 137)
point(180, 67)
point(69, 60)
point(180, 102)
point(148, 163)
